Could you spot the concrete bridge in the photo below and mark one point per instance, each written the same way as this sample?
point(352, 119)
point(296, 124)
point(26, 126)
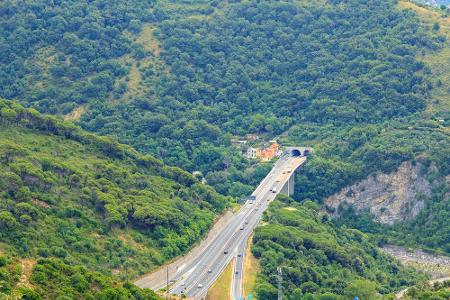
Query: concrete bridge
point(194, 274)
point(288, 188)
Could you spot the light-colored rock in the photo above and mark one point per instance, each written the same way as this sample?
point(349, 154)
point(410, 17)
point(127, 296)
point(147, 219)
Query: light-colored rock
point(387, 197)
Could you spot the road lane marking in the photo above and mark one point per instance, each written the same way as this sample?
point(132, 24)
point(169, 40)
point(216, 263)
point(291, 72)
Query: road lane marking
point(229, 241)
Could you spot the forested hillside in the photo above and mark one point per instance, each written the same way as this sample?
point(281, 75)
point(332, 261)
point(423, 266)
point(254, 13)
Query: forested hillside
point(176, 78)
point(347, 154)
point(320, 261)
point(69, 199)
point(365, 82)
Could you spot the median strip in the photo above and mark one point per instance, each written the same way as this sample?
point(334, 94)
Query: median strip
point(221, 288)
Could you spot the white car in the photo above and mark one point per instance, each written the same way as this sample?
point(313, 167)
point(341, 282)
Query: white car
point(199, 285)
point(183, 283)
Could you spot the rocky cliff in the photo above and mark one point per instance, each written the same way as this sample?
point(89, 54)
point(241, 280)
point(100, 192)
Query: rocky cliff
point(388, 197)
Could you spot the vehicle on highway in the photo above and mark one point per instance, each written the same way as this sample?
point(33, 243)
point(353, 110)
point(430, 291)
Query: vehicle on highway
point(239, 254)
point(200, 285)
point(289, 170)
point(274, 190)
point(225, 252)
point(209, 271)
point(246, 222)
point(256, 208)
point(237, 272)
point(183, 283)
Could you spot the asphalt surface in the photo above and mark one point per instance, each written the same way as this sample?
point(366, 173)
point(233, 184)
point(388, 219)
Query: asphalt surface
point(195, 277)
point(282, 176)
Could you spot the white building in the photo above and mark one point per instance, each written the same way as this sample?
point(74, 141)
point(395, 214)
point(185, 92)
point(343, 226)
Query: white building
point(251, 152)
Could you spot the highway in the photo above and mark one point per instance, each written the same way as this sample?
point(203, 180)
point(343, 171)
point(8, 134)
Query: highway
point(281, 179)
point(196, 276)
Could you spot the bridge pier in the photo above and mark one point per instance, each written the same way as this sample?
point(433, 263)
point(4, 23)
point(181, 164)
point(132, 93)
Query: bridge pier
point(288, 188)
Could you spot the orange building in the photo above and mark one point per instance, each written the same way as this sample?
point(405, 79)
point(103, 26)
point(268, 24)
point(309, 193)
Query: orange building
point(266, 154)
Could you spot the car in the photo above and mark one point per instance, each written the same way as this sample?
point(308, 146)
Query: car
point(209, 271)
point(239, 255)
point(256, 208)
point(289, 170)
point(237, 272)
point(242, 228)
point(246, 222)
point(199, 285)
point(225, 252)
point(183, 283)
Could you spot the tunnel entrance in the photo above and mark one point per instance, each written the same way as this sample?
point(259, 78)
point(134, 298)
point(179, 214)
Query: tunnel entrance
point(296, 152)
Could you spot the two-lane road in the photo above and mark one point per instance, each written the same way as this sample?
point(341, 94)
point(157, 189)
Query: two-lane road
point(195, 277)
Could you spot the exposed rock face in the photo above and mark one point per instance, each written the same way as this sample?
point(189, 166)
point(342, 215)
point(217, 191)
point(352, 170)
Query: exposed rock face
point(388, 197)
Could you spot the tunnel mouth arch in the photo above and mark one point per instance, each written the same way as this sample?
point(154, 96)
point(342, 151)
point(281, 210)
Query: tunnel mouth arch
point(296, 152)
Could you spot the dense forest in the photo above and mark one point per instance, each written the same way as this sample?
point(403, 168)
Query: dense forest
point(319, 260)
point(69, 198)
point(178, 79)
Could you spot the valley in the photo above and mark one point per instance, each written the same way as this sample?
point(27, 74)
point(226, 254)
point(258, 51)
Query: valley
point(139, 137)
